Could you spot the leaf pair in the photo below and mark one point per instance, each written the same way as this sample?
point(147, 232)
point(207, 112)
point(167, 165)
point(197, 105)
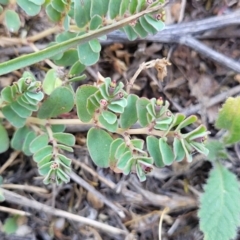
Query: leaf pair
point(21, 99)
point(106, 152)
point(51, 163)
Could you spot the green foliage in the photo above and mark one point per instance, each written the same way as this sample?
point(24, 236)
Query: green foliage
point(31, 7)
point(2, 198)
point(47, 152)
point(98, 143)
point(21, 99)
point(4, 139)
point(101, 17)
point(10, 225)
point(12, 21)
point(217, 150)
point(229, 119)
point(51, 81)
point(220, 206)
point(60, 101)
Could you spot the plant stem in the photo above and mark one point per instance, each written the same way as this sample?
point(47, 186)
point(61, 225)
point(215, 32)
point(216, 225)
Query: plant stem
point(32, 58)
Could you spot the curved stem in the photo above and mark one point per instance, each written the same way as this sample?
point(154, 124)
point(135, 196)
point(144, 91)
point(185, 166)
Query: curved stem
point(32, 58)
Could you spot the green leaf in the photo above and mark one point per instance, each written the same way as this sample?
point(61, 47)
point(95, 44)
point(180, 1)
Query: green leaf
point(115, 108)
point(189, 120)
point(51, 81)
point(45, 168)
point(123, 7)
point(142, 111)
point(158, 25)
point(37, 2)
point(68, 58)
point(110, 117)
point(42, 153)
point(217, 150)
point(82, 95)
point(147, 26)
point(2, 198)
point(26, 145)
point(65, 148)
point(98, 143)
point(60, 101)
point(229, 119)
point(154, 151)
point(4, 2)
point(45, 160)
point(114, 8)
point(166, 152)
point(86, 55)
point(200, 147)
point(58, 128)
point(131, 34)
point(12, 21)
point(10, 225)
point(64, 36)
point(76, 68)
point(13, 117)
point(58, 5)
point(113, 148)
point(137, 143)
point(22, 101)
point(96, 9)
point(29, 7)
point(122, 162)
point(133, 6)
point(6, 94)
point(19, 138)
point(111, 127)
point(65, 138)
point(96, 22)
point(4, 139)
point(121, 150)
point(39, 142)
point(21, 111)
point(52, 13)
point(62, 176)
point(178, 150)
point(129, 115)
point(139, 29)
point(95, 45)
point(82, 12)
point(219, 205)
point(140, 173)
point(66, 161)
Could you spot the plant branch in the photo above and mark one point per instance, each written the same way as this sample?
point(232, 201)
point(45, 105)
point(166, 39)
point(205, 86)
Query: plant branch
point(23, 201)
point(97, 194)
point(24, 61)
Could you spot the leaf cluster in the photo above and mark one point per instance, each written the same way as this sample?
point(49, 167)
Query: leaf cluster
point(108, 106)
point(79, 42)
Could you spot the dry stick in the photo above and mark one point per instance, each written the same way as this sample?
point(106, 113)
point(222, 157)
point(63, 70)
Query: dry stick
point(109, 183)
point(182, 11)
point(23, 201)
point(25, 188)
point(9, 161)
point(91, 189)
point(14, 211)
point(210, 53)
point(217, 99)
point(172, 33)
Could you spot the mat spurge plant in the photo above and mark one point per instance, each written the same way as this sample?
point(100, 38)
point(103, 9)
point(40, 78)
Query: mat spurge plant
point(36, 108)
point(112, 111)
